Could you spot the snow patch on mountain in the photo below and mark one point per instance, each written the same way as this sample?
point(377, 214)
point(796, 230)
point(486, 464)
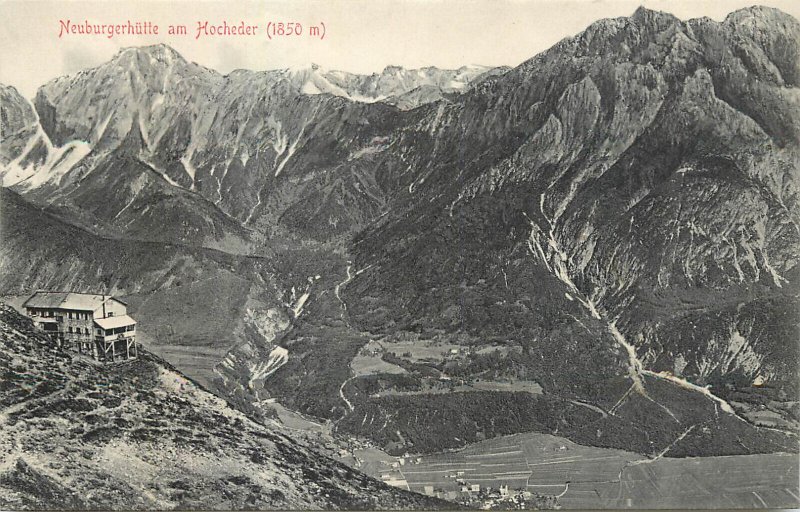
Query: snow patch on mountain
point(389, 85)
point(58, 163)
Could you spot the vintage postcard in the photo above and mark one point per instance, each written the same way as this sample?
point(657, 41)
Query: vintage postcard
point(399, 254)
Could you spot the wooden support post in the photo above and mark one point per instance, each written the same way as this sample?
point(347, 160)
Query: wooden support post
point(113, 350)
point(127, 348)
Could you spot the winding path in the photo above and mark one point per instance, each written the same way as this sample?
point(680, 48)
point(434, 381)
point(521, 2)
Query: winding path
point(343, 316)
point(341, 394)
point(339, 286)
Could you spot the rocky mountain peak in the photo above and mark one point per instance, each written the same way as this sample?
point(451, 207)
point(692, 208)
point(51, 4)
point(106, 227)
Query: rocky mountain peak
point(162, 51)
point(643, 16)
point(777, 41)
point(15, 111)
point(149, 60)
point(620, 38)
point(760, 13)
point(393, 68)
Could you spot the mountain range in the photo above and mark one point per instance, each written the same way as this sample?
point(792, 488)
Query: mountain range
point(601, 242)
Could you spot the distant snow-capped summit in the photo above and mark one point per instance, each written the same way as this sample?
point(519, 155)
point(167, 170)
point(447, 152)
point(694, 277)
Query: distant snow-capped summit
point(392, 85)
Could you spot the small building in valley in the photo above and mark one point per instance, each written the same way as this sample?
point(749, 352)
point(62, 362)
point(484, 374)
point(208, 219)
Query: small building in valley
point(95, 325)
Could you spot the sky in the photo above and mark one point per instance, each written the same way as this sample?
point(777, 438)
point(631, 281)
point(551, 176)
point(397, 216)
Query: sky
point(361, 36)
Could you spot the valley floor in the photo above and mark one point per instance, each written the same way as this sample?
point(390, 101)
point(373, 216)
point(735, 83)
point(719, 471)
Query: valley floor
point(590, 478)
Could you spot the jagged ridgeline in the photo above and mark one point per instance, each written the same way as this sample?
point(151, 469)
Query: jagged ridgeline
point(579, 245)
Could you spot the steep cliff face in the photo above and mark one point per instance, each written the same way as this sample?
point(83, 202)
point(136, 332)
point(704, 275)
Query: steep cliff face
point(614, 221)
point(18, 124)
point(23, 143)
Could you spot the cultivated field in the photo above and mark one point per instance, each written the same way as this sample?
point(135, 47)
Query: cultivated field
point(588, 477)
point(526, 386)
point(366, 364)
point(420, 351)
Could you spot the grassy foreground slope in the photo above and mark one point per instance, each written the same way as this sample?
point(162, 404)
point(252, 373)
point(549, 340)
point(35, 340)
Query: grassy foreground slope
point(141, 436)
